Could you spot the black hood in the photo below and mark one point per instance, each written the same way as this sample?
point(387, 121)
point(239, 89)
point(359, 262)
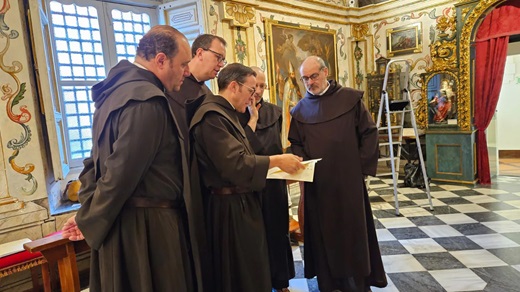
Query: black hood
point(122, 73)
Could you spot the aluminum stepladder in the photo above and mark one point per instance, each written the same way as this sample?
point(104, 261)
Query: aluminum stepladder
point(400, 108)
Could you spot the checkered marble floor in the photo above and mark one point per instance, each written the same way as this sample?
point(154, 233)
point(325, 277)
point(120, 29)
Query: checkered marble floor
point(469, 242)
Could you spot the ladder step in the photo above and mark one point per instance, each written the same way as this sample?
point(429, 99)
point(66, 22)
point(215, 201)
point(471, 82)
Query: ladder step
point(400, 111)
point(388, 144)
point(386, 128)
point(387, 158)
point(384, 174)
point(398, 105)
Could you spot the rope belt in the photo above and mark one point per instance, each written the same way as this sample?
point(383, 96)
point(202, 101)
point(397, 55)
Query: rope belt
point(144, 202)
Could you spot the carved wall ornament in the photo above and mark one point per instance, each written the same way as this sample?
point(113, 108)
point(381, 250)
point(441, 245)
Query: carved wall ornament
point(446, 24)
point(239, 14)
point(444, 50)
point(466, 36)
point(360, 31)
point(444, 56)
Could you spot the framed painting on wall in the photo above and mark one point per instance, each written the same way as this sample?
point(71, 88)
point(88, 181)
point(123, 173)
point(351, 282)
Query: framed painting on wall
point(404, 39)
point(288, 44)
point(441, 91)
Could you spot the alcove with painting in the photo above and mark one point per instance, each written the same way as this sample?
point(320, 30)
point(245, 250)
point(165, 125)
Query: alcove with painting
point(441, 94)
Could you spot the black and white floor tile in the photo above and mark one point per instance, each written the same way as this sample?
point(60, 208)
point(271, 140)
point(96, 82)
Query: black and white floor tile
point(469, 242)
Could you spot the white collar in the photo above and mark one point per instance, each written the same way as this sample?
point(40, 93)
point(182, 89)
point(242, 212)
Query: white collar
point(323, 92)
point(140, 66)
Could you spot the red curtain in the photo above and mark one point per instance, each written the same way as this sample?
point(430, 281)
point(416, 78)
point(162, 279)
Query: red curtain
point(491, 52)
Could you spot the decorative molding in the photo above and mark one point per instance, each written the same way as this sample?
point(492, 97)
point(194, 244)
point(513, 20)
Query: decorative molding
point(359, 31)
point(239, 14)
point(309, 17)
point(464, 114)
point(354, 15)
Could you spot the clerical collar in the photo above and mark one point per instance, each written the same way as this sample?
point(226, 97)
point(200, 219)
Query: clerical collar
point(140, 66)
point(323, 92)
point(196, 79)
point(228, 102)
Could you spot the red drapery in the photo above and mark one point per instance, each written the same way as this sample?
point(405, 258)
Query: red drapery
point(491, 52)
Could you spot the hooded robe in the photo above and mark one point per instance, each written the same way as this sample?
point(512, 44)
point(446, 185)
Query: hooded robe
point(339, 227)
point(194, 91)
point(266, 140)
point(234, 222)
point(137, 151)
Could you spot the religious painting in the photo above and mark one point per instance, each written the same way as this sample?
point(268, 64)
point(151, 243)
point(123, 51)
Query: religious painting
point(441, 91)
point(404, 40)
point(288, 45)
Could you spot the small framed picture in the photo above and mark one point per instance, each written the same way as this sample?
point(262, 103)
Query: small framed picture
point(404, 39)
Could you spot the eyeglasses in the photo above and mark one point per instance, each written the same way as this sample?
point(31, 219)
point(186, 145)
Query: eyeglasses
point(220, 57)
point(251, 89)
point(312, 77)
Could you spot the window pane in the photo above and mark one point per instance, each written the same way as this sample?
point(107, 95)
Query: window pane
point(79, 112)
point(129, 28)
point(84, 51)
point(76, 34)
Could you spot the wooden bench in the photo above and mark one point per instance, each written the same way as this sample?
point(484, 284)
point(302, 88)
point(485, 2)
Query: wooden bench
point(61, 251)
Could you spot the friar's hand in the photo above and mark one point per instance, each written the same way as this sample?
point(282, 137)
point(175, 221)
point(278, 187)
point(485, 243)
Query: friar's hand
point(290, 163)
point(71, 230)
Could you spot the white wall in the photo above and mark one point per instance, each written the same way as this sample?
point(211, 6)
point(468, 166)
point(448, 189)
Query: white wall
point(508, 108)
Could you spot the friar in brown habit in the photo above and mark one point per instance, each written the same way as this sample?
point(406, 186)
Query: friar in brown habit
point(262, 123)
point(208, 57)
point(332, 123)
point(231, 176)
point(132, 213)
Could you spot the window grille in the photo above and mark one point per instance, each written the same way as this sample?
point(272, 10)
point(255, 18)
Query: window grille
point(89, 37)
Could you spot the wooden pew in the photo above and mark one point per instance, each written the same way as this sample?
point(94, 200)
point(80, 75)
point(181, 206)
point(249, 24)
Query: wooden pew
point(60, 251)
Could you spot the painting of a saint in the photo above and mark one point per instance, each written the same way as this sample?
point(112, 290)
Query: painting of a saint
point(442, 100)
point(288, 45)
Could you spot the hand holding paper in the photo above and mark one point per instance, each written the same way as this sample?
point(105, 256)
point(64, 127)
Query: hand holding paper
point(306, 174)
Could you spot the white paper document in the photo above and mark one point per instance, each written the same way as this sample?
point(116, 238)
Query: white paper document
point(306, 174)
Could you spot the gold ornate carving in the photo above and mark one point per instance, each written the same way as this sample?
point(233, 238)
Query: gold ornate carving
point(239, 14)
point(464, 114)
point(445, 24)
point(464, 12)
point(421, 111)
point(359, 31)
point(443, 51)
point(22, 267)
point(444, 55)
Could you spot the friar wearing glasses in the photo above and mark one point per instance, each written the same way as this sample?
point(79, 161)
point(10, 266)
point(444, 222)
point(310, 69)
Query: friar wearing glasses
point(231, 177)
point(332, 123)
point(263, 125)
point(208, 57)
